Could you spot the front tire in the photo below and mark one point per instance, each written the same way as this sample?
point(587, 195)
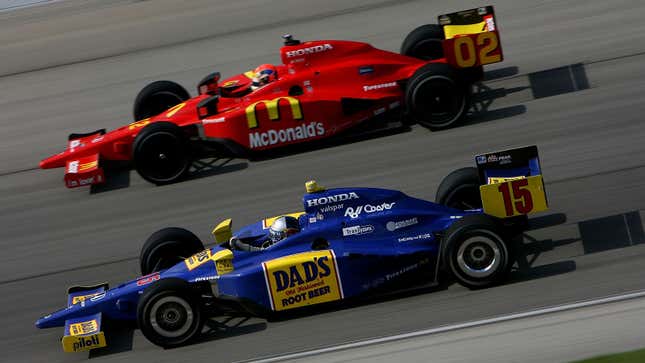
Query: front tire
point(436, 97)
point(475, 252)
point(170, 313)
point(167, 247)
point(157, 97)
point(160, 153)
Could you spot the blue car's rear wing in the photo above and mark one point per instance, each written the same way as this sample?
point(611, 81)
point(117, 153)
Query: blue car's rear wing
point(511, 182)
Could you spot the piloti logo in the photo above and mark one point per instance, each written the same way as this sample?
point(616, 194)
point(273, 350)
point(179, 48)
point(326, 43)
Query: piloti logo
point(85, 343)
point(302, 279)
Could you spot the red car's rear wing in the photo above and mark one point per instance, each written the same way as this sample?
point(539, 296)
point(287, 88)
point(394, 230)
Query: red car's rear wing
point(472, 37)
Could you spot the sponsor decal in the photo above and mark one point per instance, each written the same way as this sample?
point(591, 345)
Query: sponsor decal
point(365, 70)
point(481, 159)
point(98, 297)
point(223, 260)
point(490, 23)
point(379, 86)
point(72, 167)
point(405, 269)
point(319, 216)
point(206, 278)
point(145, 280)
point(379, 111)
point(502, 159)
point(331, 208)
point(331, 199)
point(313, 220)
point(393, 226)
point(272, 137)
point(232, 83)
point(495, 180)
point(302, 279)
point(139, 124)
point(82, 298)
point(273, 110)
point(367, 208)
point(198, 259)
point(357, 230)
point(83, 343)
point(217, 120)
point(309, 50)
point(415, 238)
point(84, 327)
point(97, 139)
point(84, 181)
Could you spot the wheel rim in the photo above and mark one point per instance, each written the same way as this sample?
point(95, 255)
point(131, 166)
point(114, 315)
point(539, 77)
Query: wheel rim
point(479, 256)
point(161, 157)
point(438, 101)
point(158, 103)
point(428, 49)
point(171, 316)
point(464, 197)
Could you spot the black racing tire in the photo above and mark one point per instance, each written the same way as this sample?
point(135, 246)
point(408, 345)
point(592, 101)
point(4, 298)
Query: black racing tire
point(160, 153)
point(424, 42)
point(167, 247)
point(436, 97)
point(475, 252)
point(170, 313)
point(460, 189)
point(157, 97)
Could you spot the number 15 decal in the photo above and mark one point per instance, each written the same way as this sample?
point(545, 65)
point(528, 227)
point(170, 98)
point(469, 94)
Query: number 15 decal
point(473, 49)
point(514, 197)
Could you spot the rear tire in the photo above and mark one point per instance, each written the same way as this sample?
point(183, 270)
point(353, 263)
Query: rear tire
point(460, 189)
point(157, 97)
point(424, 42)
point(167, 247)
point(160, 153)
point(435, 97)
point(475, 252)
point(170, 313)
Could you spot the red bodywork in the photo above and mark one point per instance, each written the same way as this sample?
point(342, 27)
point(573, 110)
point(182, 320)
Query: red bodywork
point(323, 88)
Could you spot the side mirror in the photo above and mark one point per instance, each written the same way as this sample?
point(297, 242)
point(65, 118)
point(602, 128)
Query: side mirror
point(223, 231)
point(209, 84)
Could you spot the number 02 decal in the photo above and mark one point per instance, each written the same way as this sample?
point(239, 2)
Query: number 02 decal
point(473, 49)
point(517, 197)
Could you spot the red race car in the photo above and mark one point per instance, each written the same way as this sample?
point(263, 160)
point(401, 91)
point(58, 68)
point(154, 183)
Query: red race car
point(322, 89)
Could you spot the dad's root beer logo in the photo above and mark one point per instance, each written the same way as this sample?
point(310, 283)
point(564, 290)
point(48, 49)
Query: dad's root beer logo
point(302, 279)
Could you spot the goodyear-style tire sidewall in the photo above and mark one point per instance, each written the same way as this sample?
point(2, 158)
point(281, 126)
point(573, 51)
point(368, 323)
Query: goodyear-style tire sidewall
point(156, 141)
point(460, 189)
point(169, 313)
point(481, 232)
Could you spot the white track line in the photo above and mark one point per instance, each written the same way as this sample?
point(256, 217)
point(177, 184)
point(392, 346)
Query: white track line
point(448, 328)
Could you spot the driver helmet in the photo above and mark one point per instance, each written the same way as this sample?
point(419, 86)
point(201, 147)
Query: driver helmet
point(282, 228)
point(264, 74)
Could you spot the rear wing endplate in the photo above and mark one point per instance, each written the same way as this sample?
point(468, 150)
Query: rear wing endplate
point(511, 182)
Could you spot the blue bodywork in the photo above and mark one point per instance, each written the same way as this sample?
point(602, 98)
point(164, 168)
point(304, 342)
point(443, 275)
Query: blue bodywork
point(369, 237)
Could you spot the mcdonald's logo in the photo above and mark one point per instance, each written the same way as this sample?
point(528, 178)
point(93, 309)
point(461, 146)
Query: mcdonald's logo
point(273, 110)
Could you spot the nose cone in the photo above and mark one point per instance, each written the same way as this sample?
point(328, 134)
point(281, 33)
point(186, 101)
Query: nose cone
point(54, 161)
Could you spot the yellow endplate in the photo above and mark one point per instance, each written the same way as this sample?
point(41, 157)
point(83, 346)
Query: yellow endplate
point(81, 343)
point(514, 197)
point(450, 31)
point(223, 231)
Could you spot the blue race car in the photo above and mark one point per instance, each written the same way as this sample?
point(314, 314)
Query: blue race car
point(346, 243)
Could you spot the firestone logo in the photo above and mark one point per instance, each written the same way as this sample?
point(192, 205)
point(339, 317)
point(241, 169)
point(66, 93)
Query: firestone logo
point(331, 199)
point(367, 208)
point(311, 50)
point(357, 230)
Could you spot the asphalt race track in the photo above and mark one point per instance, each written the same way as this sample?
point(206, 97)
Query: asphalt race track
point(572, 82)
